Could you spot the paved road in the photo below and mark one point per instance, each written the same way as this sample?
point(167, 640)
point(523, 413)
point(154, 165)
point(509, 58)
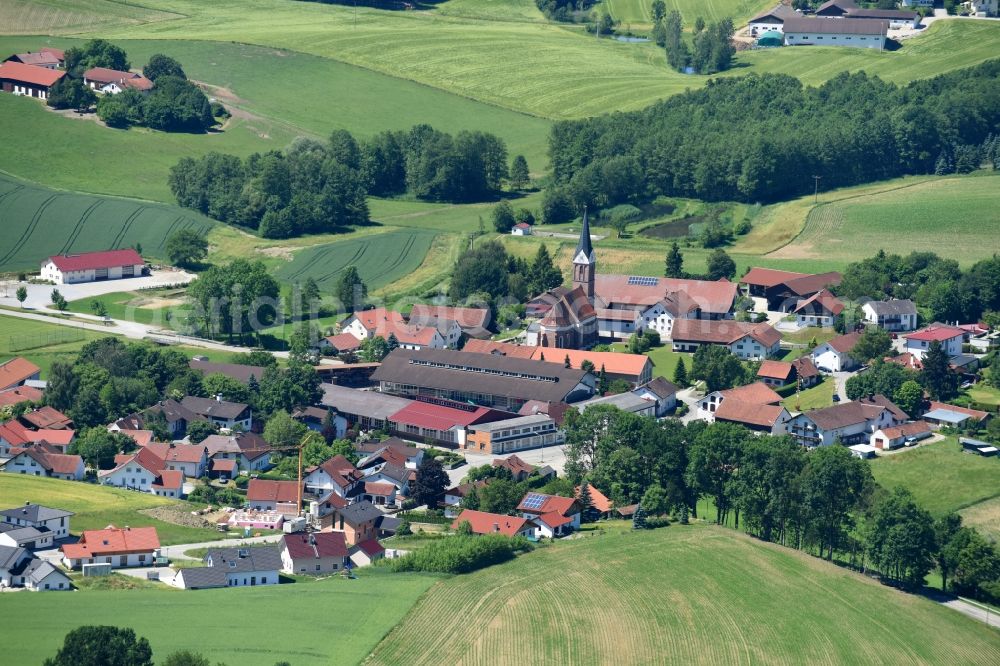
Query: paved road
point(965, 607)
point(40, 295)
point(177, 552)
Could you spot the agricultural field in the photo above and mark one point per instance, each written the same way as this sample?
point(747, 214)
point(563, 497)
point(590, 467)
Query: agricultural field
point(695, 594)
point(307, 621)
point(151, 308)
point(96, 507)
point(39, 342)
point(380, 259)
point(901, 217)
point(984, 516)
point(42, 221)
point(32, 17)
point(941, 477)
point(639, 13)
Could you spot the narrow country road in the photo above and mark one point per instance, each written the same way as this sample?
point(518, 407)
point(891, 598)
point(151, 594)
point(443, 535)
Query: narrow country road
point(965, 607)
point(177, 552)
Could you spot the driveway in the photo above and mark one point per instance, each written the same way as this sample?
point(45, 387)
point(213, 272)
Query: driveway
point(40, 295)
point(177, 552)
point(840, 384)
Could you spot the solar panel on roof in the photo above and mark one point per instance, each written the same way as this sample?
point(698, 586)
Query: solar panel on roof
point(643, 281)
point(534, 501)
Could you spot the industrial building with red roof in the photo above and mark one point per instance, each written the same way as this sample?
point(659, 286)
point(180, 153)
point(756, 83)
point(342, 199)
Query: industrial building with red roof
point(93, 266)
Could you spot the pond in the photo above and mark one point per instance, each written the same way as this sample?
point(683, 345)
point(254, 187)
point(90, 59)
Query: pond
point(672, 229)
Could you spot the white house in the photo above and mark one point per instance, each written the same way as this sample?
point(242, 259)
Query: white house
point(835, 355)
point(93, 266)
point(36, 462)
point(983, 7)
point(820, 309)
point(367, 322)
point(555, 516)
point(314, 554)
point(857, 33)
point(757, 393)
point(233, 567)
point(143, 470)
point(918, 3)
point(771, 19)
point(119, 547)
point(950, 337)
point(892, 315)
point(32, 538)
point(38, 516)
point(848, 422)
point(337, 475)
point(750, 342)
point(20, 568)
point(660, 391)
point(521, 229)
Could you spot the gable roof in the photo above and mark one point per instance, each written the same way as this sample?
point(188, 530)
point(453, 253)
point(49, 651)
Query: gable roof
point(316, 545)
point(750, 413)
point(113, 541)
point(803, 284)
point(240, 560)
point(835, 26)
point(843, 344)
point(39, 569)
point(896, 306)
point(182, 453)
point(598, 500)
point(514, 464)
point(907, 429)
point(15, 433)
point(825, 299)
point(466, 318)
point(376, 318)
point(140, 437)
point(142, 456)
point(370, 547)
point(39, 58)
point(169, 478)
point(430, 416)
point(499, 348)
point(775, 370)
point(107, 75)
point(542, 504)
point(660, 387)
point(723, 332)
point(32, 74)
point(46, 417)
point(715, 297)
point(780, 12)
point(491, 523)
point(18, 394)
point(212, 407)
point(757, 393)
point(862, 13)
point(93, 260)
point(16, 371)
point(269, 490)
point(616, 363)
point(977, 414)
point(35, 513)
point(805, 367)
point(359, 512)
point(341, 470)
point(849, 413)
point(344, 342)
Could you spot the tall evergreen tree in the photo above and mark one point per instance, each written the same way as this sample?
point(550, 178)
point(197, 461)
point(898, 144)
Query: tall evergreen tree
point(680, 374)
point(585, 500)
point(519, 174)
point(639, 518)
point(674, 264)
point(350, 290)
point(936, 375)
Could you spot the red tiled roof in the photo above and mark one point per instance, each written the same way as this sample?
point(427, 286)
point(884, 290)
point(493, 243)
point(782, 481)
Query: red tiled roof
point(768, 277)
point(380, 489)
point(810, 284)
point(723, 331)
point(375, 318)
point(183, 453)
point(907, 429)
point(845, 343)
point(750, 413)
point(61, 438)
point(371, 547)
point(92, 260)
point(616, 363)
point(710, 296)
point(464, 317)
point(316, 545)
point(223, 465)
point(757, 393)
point(113, 541)
point(499, 348)
point(40, 58)
point(140, 437)
point(38, 76)
point(598, 500)
point(439, 417)
point(139, 83)
point(169, 478)
point(825, 298)
point(46, 417)
point(805, 367)
point(58, 53)
point(775, 370)
point(515, 465)
point(16, 371)
point(14, 433)
point(267, 490)
point(143, 457)
point(491, 523)
point(55, 463)
point(105, 75)
point(562, 506)
point(344, 342)
point(939, 332)
point(554, 519)
point(19, 394)
point(341, 470)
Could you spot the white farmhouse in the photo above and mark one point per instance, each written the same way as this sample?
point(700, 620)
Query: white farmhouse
point(93, 266)
point(835, 355)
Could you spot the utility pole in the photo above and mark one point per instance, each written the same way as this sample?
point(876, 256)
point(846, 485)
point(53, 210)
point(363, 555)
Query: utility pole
point(816, 191)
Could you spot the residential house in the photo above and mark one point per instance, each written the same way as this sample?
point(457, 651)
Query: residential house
point(175, 416)
point(27, 537)
point(14, 434)
point(453, 496)
point(835, 355)
point(482, 522)
point(314, 554)
point(757, 393)
point(113, 81)
point(366, 552)
point(950, 337)
point(233, 567)
point(555, 516)
point(626, 402)
point(189, 459)
point(847, 422)
point(521, 229)
point(820, 309)
point(865, 34)
point(357, 522)
point(660, 391)
point(119, 547)
point(270, 495)
point(45, 58)
point(783, 290)
point(336, 475)
point(46, 418)
point(983, 8)
point(250, 451)
point(481, 379)
point(768, 419)
point(18, 394)
point(926, 4)
point(749, 342)
point(896, 436)
point(519, 470)
point(600, 505)
point(377, 478)
point(473, 322)
point(16, 372)
point(93, 266)
point(392, 450)
point(223, 469)
point(28, 80)
point(365, 323)
point(771, 19)
point(36, 462)
point(514, 434)
point(776, 373)
point(314, 417)
point(942, 414)
point(38, 516)
point(380, 494)
point(143, 470)
point(222, 413)
point(341, 343)
point(892, 315)
point(20, 568)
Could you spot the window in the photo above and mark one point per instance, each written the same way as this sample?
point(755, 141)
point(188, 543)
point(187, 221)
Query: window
point(317, 567)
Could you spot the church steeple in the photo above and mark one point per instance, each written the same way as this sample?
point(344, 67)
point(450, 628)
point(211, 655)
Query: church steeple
point(584, 261)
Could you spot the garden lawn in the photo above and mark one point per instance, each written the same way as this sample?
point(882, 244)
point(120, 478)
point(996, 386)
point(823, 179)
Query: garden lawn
point(987, 395)
point(96, 507)
point(941, 477)
point(664, 359)
point(813, 397)
point(677, 595)
point(308, 623)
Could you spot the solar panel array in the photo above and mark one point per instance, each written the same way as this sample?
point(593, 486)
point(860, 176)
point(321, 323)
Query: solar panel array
point(533, 501)
point(643, 281)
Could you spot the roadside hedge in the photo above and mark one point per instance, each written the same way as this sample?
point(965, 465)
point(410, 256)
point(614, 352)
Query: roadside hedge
point(461, 554)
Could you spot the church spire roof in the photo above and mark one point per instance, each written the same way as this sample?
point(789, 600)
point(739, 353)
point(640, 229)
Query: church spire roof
point(584, 245)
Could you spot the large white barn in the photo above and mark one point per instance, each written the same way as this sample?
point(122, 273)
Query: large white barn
point(93, 266)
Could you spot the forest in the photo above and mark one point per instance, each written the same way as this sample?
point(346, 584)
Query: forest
point(765, 138)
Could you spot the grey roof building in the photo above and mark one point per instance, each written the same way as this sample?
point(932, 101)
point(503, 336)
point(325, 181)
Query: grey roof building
point(233, 567)
point(369, 408)
point(32, 514)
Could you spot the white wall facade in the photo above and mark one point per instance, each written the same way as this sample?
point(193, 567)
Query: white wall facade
point(918, 348)
point(815, 39)
point(132, 475)
point(51, 273)
point(826, 356)
point(136, 559)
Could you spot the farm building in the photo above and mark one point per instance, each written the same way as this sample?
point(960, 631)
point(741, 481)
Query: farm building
point(515, 434)
point(16, 372)
point(112, 81)
point(835, 355)
point(896, 436)
point(28, 80)
point(771, 39)
point(771, 20)
point(835, 8)
point(441, 420)
point(626, 402)
point(747, 341)
point(820, 309)
point(896, 18)
point(865, 34)
point(93, 266)
point(45, 58)
point(783, 291)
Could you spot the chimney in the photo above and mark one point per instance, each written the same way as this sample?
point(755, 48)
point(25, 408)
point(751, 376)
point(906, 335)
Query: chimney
point(496, 527)
point(218, 397)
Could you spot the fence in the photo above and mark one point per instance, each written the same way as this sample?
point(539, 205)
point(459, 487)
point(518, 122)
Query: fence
point(25, 341)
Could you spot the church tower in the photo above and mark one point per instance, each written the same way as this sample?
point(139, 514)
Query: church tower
point(584, 262)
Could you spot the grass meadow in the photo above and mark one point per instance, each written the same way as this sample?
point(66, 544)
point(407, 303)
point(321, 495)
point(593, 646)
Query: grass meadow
point(984, 516)
point(941, 477)
point(331, 622)
point(639, 13)
point(695, 594)
point(42, 221)
point(39, 342)
point(96, 507)
point(32, 17)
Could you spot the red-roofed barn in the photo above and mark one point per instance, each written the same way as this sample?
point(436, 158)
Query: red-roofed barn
point(28, 80)
point(93, 266)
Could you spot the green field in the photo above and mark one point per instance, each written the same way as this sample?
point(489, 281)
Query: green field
point(640, 13)
point(32, 17)
point(380, 259)
point(39, 342)
point(41, 222)
point(309, 623)
point(941, 476)
point(98, 506)
point(953, 216)
point(679, 595)
point(984, 516)
point(814, 397)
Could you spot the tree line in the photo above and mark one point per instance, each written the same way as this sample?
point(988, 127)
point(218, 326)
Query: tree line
point(712, 47)
point(489, 273)
point(314, 187)
point(823, 501)
point(764, 137)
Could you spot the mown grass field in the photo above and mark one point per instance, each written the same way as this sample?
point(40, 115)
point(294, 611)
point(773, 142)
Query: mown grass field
point(380, 259)
point(941, 476)
point(40, 221)
point(640, 13)
point(813, 397)
point(984, 516)
point(39, 342)
point(97, 506)
point(333, 622)
point(956, 217)
point(32, 17)
point(679, 595)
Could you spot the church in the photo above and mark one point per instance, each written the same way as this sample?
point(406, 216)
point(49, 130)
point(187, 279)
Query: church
point(609, 307)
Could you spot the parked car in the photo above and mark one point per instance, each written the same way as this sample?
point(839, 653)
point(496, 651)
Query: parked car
point(836, 398)
point(824, 369)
